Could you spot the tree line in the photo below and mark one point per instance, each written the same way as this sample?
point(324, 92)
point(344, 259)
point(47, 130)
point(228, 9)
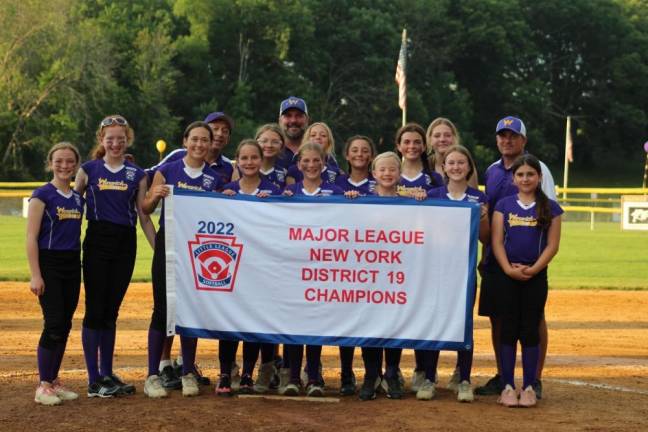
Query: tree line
point(65, 64)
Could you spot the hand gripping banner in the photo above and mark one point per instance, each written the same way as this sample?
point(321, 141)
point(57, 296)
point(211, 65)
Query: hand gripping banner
point(371, 271)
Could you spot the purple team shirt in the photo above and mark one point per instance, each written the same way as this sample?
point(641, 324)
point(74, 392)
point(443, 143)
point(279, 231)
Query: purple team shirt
point(471, 195)
point(222, 166)
point(365, 187)
point(265, 186)
point(110, 196)
point(523, 240)
point(423, 181)
point(276, 175)
point(325, 189)
point(60, 227)
point(329, 174)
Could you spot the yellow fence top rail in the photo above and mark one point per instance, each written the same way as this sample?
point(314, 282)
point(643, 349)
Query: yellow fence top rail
point(609, 191)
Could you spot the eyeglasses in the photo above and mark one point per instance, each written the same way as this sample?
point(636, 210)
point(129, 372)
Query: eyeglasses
point(121, 121)
point(267, 141)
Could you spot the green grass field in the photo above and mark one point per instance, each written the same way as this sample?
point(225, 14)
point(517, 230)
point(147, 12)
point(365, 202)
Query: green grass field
point(605, 258)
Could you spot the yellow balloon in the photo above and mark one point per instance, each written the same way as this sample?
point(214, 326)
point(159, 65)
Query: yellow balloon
point(160, 145)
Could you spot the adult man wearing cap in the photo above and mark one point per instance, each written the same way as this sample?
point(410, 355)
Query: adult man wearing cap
point(293, 119)
point(221, 125)
point(511, 137)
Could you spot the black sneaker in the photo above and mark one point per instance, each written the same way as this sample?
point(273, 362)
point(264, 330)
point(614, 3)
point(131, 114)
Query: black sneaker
point(368, 390)
point(224, 386)
point(202, 380)
point(348, 386)
point(394, 388)
point(103, 388)
point(127, 389)
point(491, 388)
point(169, 378)
point(247, 385)
point(537, 387)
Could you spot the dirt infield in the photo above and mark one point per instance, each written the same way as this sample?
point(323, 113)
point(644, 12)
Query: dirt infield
point(596, 378)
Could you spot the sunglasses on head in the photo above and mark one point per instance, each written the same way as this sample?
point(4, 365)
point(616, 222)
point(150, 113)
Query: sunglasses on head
point(114, 120)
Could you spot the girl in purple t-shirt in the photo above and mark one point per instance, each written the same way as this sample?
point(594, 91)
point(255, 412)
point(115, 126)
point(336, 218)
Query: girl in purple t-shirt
point(54, 255)
point(525, 237)
point(359, 151)
point(415, 170)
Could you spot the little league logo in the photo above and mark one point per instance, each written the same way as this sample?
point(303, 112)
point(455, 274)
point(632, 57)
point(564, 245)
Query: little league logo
point(215, 260)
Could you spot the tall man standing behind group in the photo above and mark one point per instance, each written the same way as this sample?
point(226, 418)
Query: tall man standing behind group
point(511, 136)
point(293, 119)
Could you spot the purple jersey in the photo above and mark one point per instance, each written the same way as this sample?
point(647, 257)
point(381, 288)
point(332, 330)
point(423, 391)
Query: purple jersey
point(422, 181)
point(364, 187)
point(325, 189)
point(470, 195)
point(523, 240)
point(276, 175)
point(329, 173)
point(60, 227)
point(111, 194)
point(222, 166)
point(178, 175)
point(265, 186)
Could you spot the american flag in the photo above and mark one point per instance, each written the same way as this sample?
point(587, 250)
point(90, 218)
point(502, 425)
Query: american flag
point(401, 72)
point(569, 144)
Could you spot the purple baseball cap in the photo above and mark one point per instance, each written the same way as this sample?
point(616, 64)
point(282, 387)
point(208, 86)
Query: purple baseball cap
point(218, 115)
point(513, 124)
point(293, 102)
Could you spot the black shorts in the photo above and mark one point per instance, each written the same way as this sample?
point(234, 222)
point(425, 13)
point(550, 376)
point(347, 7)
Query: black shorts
point(487, 299)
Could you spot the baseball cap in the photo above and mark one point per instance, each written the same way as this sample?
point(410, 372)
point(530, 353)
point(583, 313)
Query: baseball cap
point(293, 102)
point(218, 115)
point(513, 124)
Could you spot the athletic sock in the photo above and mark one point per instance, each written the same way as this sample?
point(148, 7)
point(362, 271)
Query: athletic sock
point(188, 347)
point(295, 354)
point(267, 352)
point(530, 355)
point(46, 359)
point(346, 360)
point(430, 363)
point(372, 359)
point(250, 356)
point(58, 359)
point(464, 362)
point(507, 357)
point(392, 360)
point(313, 357)
point(90, 340)
point(226, 355)
point(155, 347)
point(419, 357)
point(106, 351)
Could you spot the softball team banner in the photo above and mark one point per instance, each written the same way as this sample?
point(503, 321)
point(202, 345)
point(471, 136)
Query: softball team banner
point(371, 271)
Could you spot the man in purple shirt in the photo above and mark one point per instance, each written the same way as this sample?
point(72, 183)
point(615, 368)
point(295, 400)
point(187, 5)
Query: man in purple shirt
point(293, 119)
point(511, 138)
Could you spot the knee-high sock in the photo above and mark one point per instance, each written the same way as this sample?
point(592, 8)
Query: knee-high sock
point(430, 362)
point(419, 357)
point(392, 359)
point(106, 351)
point(250, 356)
point(313, 357)
point(507, 358)
point(464, 362)
point(530, 355)
point(346, 360)
point(90, 339)
point(46, 359)
point(156, 340)
point(58, 359)
point(295, 357)
point(188, 346)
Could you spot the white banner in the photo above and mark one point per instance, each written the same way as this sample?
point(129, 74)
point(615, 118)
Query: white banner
point(371, 271)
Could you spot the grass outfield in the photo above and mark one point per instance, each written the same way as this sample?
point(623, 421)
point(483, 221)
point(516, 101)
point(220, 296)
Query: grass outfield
point(605, 258)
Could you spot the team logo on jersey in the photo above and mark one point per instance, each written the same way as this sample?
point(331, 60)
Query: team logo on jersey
point(281, 176)
point(215, 260)
point(130, 174)
point(77, 199)
point(331, 176)
point(208, 182)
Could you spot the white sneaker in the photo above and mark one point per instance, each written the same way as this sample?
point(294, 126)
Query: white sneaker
point(153, 387)
point(235, 376)
point(426, 391)
point(418, 378)
point(190, 385)
point(45, 395)
point(264, 377)
point(284, 379)
point(289, 389)
point(465, 392)
point(453, 384)
point(64, 393)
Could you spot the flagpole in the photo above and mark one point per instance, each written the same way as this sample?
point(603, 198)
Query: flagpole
point(404, 42)
point(567, 150)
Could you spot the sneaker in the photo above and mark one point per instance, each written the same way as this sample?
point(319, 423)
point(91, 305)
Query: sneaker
point(246, 385)
point(394, 388)
point(202, 380)
point(537, 388)
point(235, 376)
point(264, 378)
point(455, 380)
point(169, 378)
point(348, 385)
point(492, 387)
point(426, 391)
point(465, 392)
point(528, 397)
point(103, 388)
point(224, 386)
point(418, 378)
point(190, 385)
point(509, 397)
point(64, 393)
point(320, 378)
point(284, 379)
point(153, 387)
point(368, 389)
point(291, 389)
point(313, 389)
point(401, 378)
point(124, 388)
point(45, 395)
